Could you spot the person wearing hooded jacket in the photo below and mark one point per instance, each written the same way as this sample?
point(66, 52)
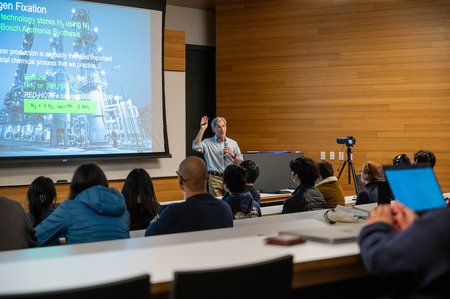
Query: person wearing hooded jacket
point(93, 212)
point(241, 202)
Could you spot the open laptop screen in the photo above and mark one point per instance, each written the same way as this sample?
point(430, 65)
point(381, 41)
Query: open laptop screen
point(415, 186)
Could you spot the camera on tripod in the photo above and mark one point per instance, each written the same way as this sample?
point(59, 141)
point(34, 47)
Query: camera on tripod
point(348, 141)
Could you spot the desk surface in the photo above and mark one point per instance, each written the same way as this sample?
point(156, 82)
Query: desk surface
point(71, 266)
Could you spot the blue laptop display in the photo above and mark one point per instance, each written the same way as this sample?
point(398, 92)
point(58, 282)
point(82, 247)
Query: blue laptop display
point(415, 186)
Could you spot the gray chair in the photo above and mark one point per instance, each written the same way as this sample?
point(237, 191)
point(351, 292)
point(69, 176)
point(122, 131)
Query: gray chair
point(136, 287)
point(263, 280)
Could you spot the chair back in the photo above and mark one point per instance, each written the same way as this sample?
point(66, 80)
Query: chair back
point(136, 287)
point(264, 280)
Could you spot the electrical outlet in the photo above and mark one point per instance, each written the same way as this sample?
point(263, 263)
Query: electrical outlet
point(331, 156)
point(341, 156)
point(322, 156)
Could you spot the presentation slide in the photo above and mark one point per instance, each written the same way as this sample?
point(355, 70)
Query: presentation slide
point(78, 79)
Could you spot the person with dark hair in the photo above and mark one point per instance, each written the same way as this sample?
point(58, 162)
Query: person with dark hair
point(305, 196)
point(329, 186)
point(93, 212)
point(140, 198)
point(400, 160)
point(425, 157)
point(410, 253)
point(252, 173)
point(219, 151)
point(370, 175)
point(16, 230)
point(241, 202)
point(200, 210)
point(41, 196)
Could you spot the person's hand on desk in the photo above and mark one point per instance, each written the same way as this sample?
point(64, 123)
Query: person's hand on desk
point(382, 213)
point(397, 215)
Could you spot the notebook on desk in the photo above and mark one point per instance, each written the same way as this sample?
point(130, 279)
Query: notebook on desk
point(330, 234)
point(415, 186)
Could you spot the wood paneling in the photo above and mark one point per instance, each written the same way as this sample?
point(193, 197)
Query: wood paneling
point(296, 74)
point(174, 50)
point(167, 189)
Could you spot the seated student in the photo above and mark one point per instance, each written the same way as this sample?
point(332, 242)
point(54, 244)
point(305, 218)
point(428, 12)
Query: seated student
point(305, 196)
point(16, 231)
point(329, 186)
point(400, 160)
point(370, 175)
point(241, 202)
point(424, 156)
point(93, 212)
point(41, 197)
point(412, 254)
point(252, 171)
point(140, 198)
point(200, 210)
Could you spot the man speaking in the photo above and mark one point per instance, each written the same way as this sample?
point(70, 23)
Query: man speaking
point(219, 152)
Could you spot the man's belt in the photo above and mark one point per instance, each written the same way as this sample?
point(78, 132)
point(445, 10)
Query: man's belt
point(215, 173)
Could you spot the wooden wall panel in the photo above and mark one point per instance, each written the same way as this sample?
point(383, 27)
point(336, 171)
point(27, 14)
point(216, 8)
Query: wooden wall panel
point(167, 189)
point(296, 74)
point(174, 50)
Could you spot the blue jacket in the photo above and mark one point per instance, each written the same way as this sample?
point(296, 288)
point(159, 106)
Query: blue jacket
point(198, 212)
point(417, 258)
point(96, 214)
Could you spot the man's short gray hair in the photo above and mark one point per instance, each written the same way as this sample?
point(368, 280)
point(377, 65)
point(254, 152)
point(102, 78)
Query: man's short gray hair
point(216, 120)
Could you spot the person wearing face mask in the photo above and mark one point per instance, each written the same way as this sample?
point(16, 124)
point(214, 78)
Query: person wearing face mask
point(305, 197)
point(219, 151)
point(370, 175)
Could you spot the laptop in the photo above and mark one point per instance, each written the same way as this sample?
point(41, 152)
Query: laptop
point(415, 186)
point(384, 193)
point(331, 234)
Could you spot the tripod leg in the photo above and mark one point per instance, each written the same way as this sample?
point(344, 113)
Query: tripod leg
point(355, 179)
point(342, 169)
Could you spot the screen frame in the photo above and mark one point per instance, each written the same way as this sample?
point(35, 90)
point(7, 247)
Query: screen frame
point(159, 5)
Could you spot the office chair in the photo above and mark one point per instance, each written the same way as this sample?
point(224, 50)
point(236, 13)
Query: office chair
point(264, 280)
point(136, 287)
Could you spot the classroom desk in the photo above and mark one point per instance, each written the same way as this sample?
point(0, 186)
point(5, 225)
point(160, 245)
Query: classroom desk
point(79, 265)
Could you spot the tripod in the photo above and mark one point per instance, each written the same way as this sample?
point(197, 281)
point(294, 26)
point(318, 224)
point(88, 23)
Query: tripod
point(351, 169)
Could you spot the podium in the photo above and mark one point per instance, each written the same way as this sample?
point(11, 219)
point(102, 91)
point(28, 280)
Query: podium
point(274, 171)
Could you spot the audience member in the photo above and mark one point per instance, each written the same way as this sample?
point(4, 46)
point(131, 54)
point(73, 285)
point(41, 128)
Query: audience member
point(16, 230)
point(329, 186)
point(140, 198)
point(370, 175)
point(241, 202)
point(219, 151)
point(425, 157)
point(200, 210)
point(93, 212)
point(305, 196)
point(400, 160)
point(412, 254)
point(41, 197)
point(252, 171)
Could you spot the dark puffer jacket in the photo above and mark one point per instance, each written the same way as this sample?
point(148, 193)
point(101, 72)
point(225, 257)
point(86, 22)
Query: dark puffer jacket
point(304, 198)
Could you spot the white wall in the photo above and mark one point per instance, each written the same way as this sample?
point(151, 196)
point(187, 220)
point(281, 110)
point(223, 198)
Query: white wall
point(198, 24)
